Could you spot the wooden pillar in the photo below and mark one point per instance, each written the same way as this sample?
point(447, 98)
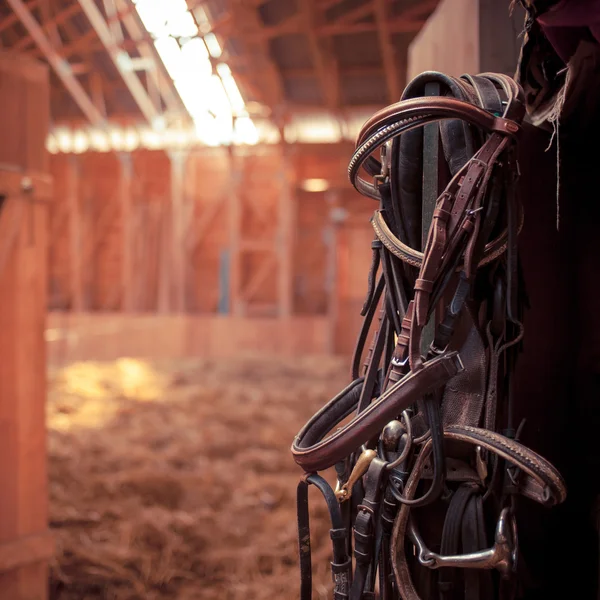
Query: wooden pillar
point(286, 234)
point(75, 247)
point(235, 232)
point(25, 188)
point(128, 274)
point(178, 231)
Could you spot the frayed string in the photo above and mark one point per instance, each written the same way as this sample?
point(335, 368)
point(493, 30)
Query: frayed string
point(554, 119)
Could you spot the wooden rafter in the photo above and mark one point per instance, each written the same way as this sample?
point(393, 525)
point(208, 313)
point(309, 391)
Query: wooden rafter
point(359, 12)
point(351, 71)
point(133, 83)
point(13, 19)
point(397, 25)
point(323, 58)
point(50, 25)
point(59, 65)
point(388, 53)
point(249, 28)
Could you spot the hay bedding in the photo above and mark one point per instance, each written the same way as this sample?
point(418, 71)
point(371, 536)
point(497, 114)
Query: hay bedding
point(176, 481)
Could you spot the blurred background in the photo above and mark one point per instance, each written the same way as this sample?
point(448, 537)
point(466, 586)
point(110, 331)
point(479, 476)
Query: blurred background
point(175, 215)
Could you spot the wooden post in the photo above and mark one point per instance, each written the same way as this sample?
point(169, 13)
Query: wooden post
point(235, 232)
point(286, 235)
point(75, 249)
point(127, 272)
point(25, 542)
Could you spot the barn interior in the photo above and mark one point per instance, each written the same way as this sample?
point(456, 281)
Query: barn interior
point(182, 268)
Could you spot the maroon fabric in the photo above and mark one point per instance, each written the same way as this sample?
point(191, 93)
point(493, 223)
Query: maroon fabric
point(569, 22)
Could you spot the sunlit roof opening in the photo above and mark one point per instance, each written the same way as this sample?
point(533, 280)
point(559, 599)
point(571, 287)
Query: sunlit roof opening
point(186, 45)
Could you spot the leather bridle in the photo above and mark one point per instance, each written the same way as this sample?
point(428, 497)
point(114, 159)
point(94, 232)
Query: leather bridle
point(430, 466)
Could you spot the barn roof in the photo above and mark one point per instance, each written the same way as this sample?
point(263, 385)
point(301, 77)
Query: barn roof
point(327, 62)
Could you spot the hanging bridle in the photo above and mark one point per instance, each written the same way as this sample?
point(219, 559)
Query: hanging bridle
point(429, 467)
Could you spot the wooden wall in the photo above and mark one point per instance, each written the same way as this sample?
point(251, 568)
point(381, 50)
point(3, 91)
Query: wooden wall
point(213, 231)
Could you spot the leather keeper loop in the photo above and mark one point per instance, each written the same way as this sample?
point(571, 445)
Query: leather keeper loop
point(441, 215)
point(424, 285)
point(338, 534)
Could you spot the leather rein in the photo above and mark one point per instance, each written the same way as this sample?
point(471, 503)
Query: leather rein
point(427, 457)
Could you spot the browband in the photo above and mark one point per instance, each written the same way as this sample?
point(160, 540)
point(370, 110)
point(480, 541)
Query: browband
point(313, 453)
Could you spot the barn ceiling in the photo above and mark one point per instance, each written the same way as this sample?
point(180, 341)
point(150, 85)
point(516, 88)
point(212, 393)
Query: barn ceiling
point(119, 61)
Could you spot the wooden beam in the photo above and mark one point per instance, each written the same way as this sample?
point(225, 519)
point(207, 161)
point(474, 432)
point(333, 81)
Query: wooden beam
point(134, 85)
point(76, 281)
point(388, 52)
point(60, 66)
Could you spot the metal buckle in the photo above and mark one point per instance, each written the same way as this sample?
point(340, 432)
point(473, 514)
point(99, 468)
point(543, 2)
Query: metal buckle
point(502, 556)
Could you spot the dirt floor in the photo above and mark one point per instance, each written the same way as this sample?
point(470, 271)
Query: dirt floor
point(176, 480)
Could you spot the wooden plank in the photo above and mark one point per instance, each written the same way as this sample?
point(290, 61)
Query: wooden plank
point(73, 203)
